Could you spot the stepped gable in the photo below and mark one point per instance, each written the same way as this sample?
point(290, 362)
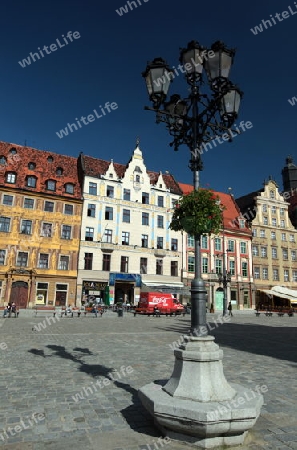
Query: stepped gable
point(26, 161)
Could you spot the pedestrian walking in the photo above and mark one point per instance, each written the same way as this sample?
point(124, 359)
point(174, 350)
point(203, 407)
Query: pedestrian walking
point(230, 309)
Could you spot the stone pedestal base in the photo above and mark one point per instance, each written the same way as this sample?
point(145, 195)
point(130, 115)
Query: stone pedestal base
point(197, 405)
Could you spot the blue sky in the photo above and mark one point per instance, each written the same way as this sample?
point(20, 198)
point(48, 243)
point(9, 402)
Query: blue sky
point(105, 65)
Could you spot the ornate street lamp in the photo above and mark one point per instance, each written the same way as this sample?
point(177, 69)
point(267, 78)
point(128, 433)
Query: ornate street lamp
point(194, 121)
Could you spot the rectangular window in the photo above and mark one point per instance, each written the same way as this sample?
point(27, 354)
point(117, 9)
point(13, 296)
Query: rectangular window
point(265, 273)
point(28, 203)
point(292, 238)
point(4, 224)
point(107, 237)
point(275, 275)
point(218, 265)
point(46, 230)
point(204, 242)
point(159, 242)
point(273, 235)
point(243, 247)
point(11, 178)
point(174, 244)
point(255, 250)
point(282, 224)
point(127, 195)
point(174, 269)
point(108, 213)
point(31, 182)
point(43, 261)
point(232, 267)
point(231, 246)
point(282, 211)
point(204, 265)
point(286, 275)
point(64, 263)
point(68, 209)
point(254, 232)
point(145, 219)
point(159, 267)
point(42, 292)
point(264, 252)
point(244, 269)
point(144, 240)
point(191, 264)
point(262, 233)
point(161, 201)
point(264, 208)
point(273, 222)
point(218, 244)
point(257, 273)
point(273, 209)
point(143, 265)
point(274, 252)
point(110, 191)
point(265, 220)
point(92, 188)
point(191, 241)
point(125, 237)
point(66, 232)
point(89, 235)
point(91, 211)
point(22, 259)
point(294, 273)
point(7, 200)
point(285, 254)
point(124, 264)
point(126, 215)
point(145, 198)
point(293, 255)
point(26, 227)
point(160, 221)
point(106, 259)
point(49, 206)
point(88, 261)
point(2, 257)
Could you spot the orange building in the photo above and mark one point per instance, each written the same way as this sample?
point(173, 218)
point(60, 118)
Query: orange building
point(232, 247)
point(40, 215)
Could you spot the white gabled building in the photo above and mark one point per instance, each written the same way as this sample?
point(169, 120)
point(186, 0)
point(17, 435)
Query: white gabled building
point(126, 243)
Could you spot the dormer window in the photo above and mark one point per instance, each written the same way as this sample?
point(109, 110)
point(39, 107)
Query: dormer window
point(10, 177)
point(31, 166)
point(50, 185)
point(272, 195)
point(69, 188)
point(137, 179)
point(2, 160)
point(137, 169)
point(50, 159)
point(31, 182)
point(13, 151)
point(111, 175)
point(59, 171)
point(241, 223)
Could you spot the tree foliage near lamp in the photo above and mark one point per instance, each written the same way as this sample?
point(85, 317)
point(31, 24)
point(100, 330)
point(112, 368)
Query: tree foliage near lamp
point(198, 213)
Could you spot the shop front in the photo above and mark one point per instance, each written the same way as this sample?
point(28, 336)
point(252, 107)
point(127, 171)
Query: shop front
point(94, 292)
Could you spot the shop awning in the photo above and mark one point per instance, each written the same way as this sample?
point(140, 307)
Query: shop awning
point(282, 292)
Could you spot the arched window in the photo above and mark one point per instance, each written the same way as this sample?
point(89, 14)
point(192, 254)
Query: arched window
point(31, 181)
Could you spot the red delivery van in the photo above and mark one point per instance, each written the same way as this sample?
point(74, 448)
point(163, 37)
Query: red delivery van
point(165, 303)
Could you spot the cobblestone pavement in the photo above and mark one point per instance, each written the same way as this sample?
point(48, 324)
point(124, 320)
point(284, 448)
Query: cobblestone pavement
point(47, 379)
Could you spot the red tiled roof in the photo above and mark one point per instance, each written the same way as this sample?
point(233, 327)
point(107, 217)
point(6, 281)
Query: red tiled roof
point(17, 159)
point(230, 214)
point(94, 167)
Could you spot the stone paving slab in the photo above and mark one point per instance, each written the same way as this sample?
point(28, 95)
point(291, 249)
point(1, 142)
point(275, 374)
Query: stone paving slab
point(68, 385)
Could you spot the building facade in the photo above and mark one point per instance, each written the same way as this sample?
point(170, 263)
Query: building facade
point(126, 244)
point(274, 239)
point(232, 250)
point(40, 215)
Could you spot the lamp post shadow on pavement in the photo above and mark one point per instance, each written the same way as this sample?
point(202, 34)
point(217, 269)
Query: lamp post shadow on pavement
point(197, 405)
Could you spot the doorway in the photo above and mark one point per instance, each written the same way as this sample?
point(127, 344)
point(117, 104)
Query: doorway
point(19, 294)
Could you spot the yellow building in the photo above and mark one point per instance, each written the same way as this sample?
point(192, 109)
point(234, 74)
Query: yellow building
point(40, 215)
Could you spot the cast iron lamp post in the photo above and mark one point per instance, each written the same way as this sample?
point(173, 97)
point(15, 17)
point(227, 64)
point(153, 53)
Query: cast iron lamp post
point(194, 121)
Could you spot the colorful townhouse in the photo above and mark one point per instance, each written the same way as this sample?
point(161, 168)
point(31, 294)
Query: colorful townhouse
point(40, 216)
